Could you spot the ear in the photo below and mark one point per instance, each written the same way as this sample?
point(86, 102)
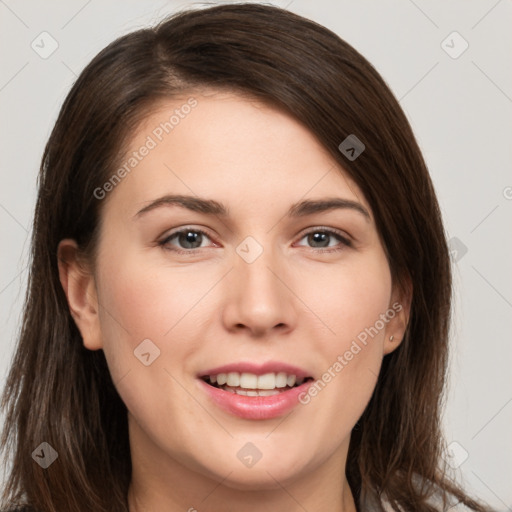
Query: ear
point(400, 303)
point(80, 289)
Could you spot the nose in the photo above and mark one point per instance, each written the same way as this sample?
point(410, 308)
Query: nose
point(259, 297)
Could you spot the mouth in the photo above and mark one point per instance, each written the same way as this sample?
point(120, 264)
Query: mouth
point(255, 392)
point(251, 384)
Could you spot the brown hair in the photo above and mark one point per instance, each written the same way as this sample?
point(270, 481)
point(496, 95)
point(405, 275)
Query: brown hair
point(61, 393)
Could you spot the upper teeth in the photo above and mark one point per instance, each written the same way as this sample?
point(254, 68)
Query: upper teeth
point(252, 381)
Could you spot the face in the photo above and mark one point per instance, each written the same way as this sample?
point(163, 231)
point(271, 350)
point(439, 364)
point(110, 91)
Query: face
point(283, 298)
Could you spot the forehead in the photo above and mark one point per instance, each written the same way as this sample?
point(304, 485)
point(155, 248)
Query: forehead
point(233, 147)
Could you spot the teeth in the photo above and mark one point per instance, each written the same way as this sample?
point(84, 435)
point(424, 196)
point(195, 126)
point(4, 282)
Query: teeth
point(268, 392)
point(267, 381)
point(281, 379)
point(291, 380)
point(250, 381)
point(233, 379)
point(260, 392)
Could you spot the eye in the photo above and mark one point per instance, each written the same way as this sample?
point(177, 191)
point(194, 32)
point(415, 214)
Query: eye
point(189, 239)
point(321, 238)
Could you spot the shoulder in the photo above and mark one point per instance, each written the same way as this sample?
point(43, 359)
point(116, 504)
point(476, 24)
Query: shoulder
point(384, 506)
point(372, 504)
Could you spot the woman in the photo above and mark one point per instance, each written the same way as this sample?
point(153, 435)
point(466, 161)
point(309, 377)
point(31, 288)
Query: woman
point(240, 287)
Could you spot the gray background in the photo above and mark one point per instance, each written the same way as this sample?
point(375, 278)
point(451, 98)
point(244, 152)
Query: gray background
point(460, 109)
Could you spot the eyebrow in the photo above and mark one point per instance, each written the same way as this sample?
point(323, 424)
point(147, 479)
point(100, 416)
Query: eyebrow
point(212, 207)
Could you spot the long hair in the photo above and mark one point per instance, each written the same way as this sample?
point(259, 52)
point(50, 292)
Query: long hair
point(60, 393)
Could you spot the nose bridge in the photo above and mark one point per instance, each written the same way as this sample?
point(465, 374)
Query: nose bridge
point(259, 300)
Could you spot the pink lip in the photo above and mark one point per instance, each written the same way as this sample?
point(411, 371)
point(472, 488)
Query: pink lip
point(255, 407)
point(258, 369)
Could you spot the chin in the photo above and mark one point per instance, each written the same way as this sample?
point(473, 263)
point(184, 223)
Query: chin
point(263, 475)
point(247, 480)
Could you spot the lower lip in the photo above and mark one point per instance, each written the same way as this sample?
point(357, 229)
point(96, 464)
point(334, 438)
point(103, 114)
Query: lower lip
point(256, 407)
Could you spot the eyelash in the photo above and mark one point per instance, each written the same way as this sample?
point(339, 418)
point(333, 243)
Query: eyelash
point(331, 232)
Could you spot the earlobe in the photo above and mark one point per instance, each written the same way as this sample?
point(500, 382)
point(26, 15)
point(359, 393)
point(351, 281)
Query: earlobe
point(397, 326)
point(79, 286)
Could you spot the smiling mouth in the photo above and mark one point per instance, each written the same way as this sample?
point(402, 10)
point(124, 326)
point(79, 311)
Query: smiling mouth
point(249, 384)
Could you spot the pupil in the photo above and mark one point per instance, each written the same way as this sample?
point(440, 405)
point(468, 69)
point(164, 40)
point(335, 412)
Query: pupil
point(189, 238)
point(319, 238)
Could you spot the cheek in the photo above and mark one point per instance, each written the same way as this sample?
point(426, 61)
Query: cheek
point(140, 303)
point(146, 301)
point(350, 302)
point(347, 299)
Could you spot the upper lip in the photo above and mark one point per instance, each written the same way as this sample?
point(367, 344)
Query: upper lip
point(257, 369)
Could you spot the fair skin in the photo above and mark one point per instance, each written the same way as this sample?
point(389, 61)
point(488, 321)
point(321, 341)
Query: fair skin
point(295, 303)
